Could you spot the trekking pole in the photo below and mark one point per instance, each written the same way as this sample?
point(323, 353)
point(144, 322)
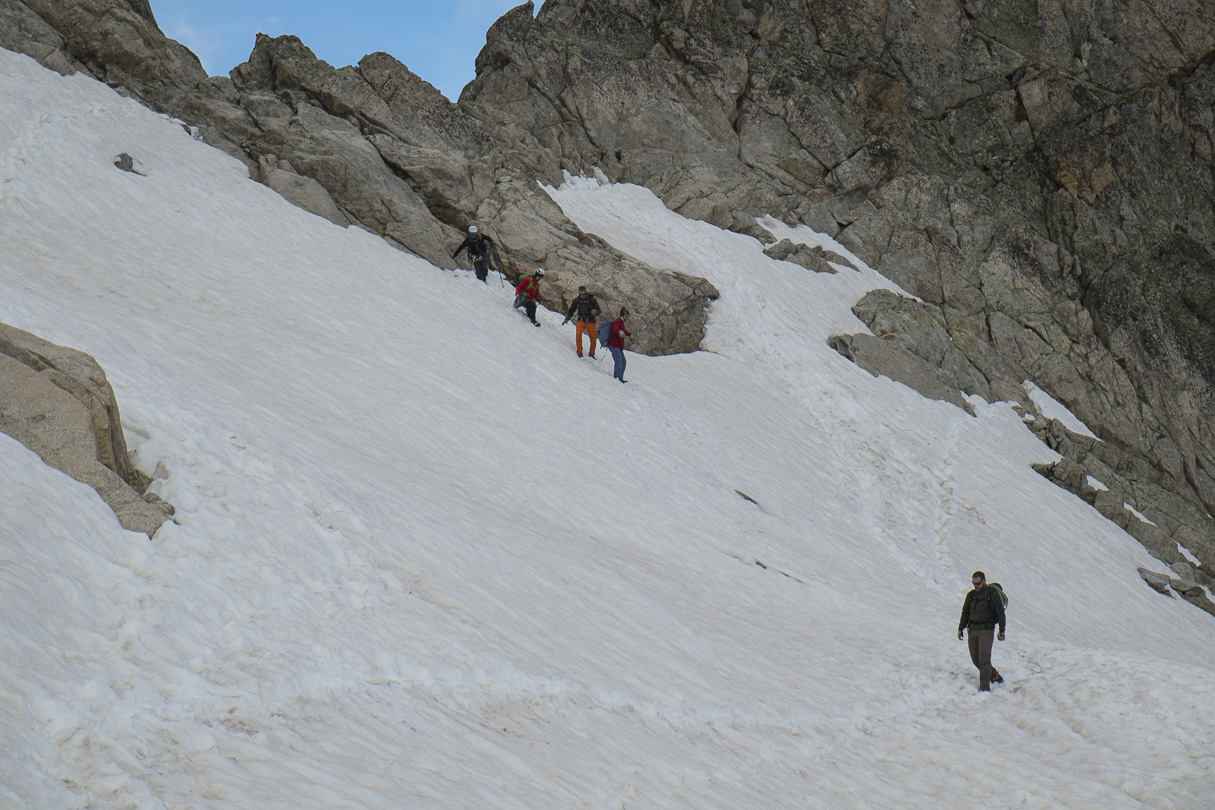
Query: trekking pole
point(492, 258)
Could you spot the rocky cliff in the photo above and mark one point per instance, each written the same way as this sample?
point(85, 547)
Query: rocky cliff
point(1038, 174)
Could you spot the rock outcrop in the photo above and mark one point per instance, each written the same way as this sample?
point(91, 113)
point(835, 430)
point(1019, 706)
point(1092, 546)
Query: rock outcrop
point(1039, 175)
point(57, 402)
point(371, 145)
point(1184, 587)
point(812, 258)
point(117, 41)
point(397, 158)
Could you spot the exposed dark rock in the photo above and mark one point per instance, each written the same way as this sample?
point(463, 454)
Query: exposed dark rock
point(1193, 593)
point(305, 192)
point(127, 164)
point(117, 41)
point(811, 258)
point(885, 358)
point(1158, 582)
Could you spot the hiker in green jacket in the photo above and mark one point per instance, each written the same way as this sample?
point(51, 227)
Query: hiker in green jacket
point(981, 612)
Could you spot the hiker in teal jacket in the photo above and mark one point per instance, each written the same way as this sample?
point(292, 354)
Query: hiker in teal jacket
point(981, 612)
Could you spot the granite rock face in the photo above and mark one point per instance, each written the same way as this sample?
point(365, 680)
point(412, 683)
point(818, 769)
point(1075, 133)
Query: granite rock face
point(117, 41)
point(399, 159)
point(57, 402)
point(1039, 175)
point(371, 145)
point(812, 258)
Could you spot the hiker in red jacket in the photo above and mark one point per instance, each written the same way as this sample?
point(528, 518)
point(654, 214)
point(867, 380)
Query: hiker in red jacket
point(527, 293)
point(616, 343)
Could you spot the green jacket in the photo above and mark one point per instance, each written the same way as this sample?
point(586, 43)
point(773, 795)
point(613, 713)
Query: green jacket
point(982, 610)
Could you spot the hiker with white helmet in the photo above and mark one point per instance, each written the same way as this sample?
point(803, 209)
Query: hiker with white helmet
point(480, 250)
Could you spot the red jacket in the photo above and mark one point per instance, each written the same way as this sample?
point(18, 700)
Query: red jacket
point(616, 340)
point(529, 287)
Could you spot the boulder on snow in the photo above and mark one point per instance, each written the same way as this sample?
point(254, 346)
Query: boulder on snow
point(1184, 570)
point(57, 402)
point(1186, 587)
point(884, 358)
point(811, 258)
point(1158, 582)
point(1193, 593)
point(127, 164)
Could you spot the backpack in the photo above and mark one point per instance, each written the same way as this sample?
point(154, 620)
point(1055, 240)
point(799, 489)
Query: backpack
point(999, 592)
point(522, 296)
point(605, 332)
point(588, 309)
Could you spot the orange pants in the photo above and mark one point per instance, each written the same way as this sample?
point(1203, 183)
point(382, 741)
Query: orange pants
point(591, 330)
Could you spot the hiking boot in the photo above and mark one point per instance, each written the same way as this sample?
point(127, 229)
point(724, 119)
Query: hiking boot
point(997, 678)
point(536, 324)
point(580, 354)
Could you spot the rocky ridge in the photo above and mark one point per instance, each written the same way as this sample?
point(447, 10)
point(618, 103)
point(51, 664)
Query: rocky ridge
point(371, 145)
point(1039, 175)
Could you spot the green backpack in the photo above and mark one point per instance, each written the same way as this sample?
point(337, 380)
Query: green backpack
point(999, 592)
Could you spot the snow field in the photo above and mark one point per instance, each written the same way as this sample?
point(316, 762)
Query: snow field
point(425, 557)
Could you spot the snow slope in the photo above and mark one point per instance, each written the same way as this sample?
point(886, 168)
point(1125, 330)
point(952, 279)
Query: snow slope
point(425, 557)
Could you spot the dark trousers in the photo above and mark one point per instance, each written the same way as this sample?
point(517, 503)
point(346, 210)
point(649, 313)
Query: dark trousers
point(481, 268)
point(529, 306)
point(618, 362)
point(980, 642)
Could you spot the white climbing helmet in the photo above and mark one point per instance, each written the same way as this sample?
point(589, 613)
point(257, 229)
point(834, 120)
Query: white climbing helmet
point(539, 272)
point(472, 229)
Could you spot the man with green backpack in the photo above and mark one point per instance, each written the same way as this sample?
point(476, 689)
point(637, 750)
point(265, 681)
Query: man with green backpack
point(981, 612)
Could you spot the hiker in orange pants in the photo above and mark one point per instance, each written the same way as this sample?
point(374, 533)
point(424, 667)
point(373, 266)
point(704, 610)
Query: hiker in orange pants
point(586, 309)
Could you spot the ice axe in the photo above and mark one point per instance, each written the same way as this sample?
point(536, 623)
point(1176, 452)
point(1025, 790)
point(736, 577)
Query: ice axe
point(493, 260)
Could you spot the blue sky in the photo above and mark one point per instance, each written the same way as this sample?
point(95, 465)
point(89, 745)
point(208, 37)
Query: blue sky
point(439, 41)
